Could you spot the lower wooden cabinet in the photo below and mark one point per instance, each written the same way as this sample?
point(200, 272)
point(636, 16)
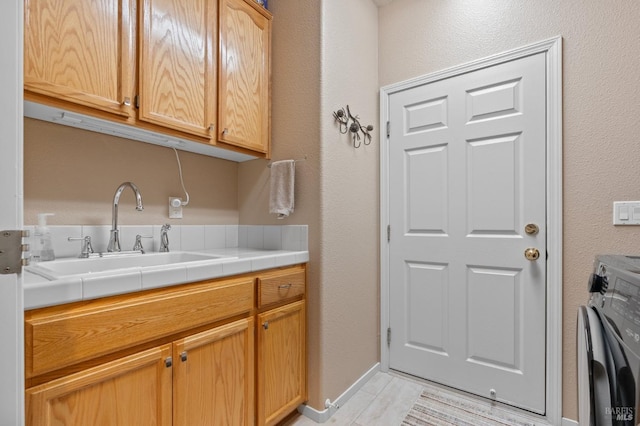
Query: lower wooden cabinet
point(134, 390)
point(282, 368)
point(213, 376)
point(196, 360)
point(204, 379)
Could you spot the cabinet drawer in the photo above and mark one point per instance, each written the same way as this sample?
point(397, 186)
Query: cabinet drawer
point(279, 288)
point(65, 335)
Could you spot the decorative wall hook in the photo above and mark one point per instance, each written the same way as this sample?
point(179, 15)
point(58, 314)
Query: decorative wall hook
point(343, 117)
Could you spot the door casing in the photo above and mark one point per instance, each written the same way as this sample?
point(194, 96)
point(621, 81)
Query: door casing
point(11, 212)
point(553, 52)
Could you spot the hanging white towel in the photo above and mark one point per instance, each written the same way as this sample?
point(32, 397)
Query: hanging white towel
point(281, 200)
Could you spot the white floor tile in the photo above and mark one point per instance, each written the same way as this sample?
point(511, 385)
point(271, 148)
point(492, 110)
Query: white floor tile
point(385, 400)
point(391, 405)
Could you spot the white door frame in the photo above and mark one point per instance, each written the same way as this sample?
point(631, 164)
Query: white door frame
point(11, 212)
point(553, 50)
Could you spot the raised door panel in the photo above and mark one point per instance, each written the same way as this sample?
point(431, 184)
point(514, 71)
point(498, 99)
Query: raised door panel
point(281, 362)
point(177, 76)
point(81, 52)
point(214, 376)
point(244, 75)
point(135, 390)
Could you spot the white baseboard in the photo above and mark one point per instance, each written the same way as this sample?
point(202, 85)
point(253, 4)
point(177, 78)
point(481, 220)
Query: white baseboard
point(569, 422)
point(324, 415)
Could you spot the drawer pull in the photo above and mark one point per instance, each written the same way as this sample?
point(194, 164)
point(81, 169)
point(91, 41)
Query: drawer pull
point(283, 286)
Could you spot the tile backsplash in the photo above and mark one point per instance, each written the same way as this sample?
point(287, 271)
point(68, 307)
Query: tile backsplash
point(181, 237)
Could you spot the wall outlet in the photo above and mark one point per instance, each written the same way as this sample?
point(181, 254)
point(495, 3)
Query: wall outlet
point(175, 208)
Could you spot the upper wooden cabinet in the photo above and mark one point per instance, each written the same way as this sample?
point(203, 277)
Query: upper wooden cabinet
point(244, 75)
point(177, 74)
point(81, 52)
point(173, 67)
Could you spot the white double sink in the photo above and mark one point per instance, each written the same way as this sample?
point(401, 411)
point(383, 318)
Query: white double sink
point(58, 269)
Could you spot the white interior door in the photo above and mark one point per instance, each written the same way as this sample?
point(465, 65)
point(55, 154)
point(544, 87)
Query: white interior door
point(11, 302)
point(466, 176)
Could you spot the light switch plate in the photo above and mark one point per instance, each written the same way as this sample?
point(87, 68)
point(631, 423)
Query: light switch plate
point(626, 212)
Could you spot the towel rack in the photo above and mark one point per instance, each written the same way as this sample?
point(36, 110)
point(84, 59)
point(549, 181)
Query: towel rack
point(295, 161)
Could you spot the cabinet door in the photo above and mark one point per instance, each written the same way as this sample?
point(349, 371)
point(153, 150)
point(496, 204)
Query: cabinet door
point(282, 368)
point(177, 76)
point(81, 51)
point(214, 376)
point(134, 390)
point(244, 75)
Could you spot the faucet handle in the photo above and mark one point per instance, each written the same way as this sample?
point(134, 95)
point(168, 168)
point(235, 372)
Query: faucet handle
point(138, 244)
point(87, 249)
point(164, 238)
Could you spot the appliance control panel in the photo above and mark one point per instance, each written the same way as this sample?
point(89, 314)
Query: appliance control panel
point(615, 292)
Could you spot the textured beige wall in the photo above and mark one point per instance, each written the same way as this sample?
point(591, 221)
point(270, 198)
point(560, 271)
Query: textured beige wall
point(324, 57)
point(349, 192)
point(601, 81)
point(74, 174)
point(295, 113)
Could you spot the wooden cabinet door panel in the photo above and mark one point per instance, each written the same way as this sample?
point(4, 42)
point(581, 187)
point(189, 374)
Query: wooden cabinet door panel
point(244, 76)
point(81, 51)
point(60, 336)
point(177, 68)
point(281, 362)
point(135, 390)
point(214, 376)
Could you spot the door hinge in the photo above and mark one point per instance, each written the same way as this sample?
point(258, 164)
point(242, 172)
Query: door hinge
point(12, 251)
point(136, 101)
point(388, 129)
point(389, 336)
point(388, 233)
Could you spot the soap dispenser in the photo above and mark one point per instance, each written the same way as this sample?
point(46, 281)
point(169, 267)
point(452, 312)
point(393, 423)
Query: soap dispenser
point(42, 245)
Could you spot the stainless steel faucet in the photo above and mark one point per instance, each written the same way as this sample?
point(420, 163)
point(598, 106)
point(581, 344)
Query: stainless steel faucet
point(114, 239)
point(164, 238)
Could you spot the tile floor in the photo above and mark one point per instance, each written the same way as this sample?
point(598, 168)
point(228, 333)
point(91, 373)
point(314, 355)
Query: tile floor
point(384, 400)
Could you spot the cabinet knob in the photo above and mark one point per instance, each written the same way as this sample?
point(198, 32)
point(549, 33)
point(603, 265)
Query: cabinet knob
point(265, 325)
point(211, 127)
point(127, 101)
point(225, 131)
point(183, 356)
point(168, 362)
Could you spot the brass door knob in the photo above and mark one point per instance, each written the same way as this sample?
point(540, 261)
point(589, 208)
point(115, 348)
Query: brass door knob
point(531, 229)
point(532, 253)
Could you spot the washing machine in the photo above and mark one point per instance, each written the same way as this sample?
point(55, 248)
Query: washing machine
point(608, 337)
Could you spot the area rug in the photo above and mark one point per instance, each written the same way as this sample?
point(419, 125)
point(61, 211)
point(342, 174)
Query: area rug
point(439, 409)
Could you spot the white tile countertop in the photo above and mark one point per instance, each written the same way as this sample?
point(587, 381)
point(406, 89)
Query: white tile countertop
point(40, 291)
